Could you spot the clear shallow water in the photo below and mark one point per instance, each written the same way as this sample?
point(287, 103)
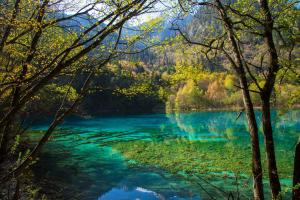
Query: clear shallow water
point(81, 158)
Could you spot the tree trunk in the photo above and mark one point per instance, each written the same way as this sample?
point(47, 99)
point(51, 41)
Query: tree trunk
point(3, 144)
point(273, 68)
point(238, 66)
point(57, 120)
point(270, 149)
point(258, 191)
point(296, 179)
point(7, 133)
point(9, 26)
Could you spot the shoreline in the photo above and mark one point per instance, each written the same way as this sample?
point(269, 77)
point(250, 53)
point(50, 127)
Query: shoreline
point(174, 111)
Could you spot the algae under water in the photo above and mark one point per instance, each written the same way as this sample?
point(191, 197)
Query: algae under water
point(155, 156)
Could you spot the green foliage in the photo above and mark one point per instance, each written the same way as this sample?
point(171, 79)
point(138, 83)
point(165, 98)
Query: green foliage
point(127, 86)
point(189, 97)
point(229, 82)
point(53, 90)
point(136, 89)
point(51, 97)
point(193, 88)
point(287, 95)
point(16, 144)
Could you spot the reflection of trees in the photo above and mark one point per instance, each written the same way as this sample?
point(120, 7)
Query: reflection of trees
point(208, 125)
point(81, 166)
point(213, 126)
point(285, 120)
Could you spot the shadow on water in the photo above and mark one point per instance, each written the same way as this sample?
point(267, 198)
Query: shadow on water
point(80, 155)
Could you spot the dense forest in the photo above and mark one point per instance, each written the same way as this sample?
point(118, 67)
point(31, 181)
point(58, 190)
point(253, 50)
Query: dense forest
point(62, 59)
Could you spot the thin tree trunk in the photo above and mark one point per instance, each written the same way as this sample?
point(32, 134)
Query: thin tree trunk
point(7, 133)
point(3, 136)
point(258, 191)
point(4, 141)
point(268, 26)
point(296, 176)
point(9, 26)
point(270, 149)
point(17, 191)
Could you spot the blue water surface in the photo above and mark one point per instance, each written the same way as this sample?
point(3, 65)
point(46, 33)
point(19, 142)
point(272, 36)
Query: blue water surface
point(80, 155)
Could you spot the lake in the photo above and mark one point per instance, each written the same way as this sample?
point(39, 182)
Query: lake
point(135, 156)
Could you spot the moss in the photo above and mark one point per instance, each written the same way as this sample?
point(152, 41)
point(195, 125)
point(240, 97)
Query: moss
point(217, 158)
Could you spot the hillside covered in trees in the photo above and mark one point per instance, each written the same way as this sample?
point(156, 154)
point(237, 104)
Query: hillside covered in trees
point(63, 60)
point(162, 72)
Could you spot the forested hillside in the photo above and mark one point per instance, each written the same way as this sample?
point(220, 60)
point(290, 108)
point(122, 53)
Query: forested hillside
point(73, 64)
point(174, 75)
point(163, 72)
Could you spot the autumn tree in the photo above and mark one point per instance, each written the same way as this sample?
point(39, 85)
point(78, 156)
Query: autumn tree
point(40, 43)
point(241, 30)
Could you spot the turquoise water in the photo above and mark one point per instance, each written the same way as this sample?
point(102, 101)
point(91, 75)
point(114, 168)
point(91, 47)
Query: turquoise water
point(80, 157)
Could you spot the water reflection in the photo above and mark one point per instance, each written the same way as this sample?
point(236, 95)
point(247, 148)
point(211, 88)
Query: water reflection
point(209, 126)
point(137, 193)
point(100, 172)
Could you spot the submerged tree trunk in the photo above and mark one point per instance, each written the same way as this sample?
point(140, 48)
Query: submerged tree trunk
point(296, 176)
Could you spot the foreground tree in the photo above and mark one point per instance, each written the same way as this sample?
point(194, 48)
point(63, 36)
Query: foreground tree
point(38, 48)
point(242, 29)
